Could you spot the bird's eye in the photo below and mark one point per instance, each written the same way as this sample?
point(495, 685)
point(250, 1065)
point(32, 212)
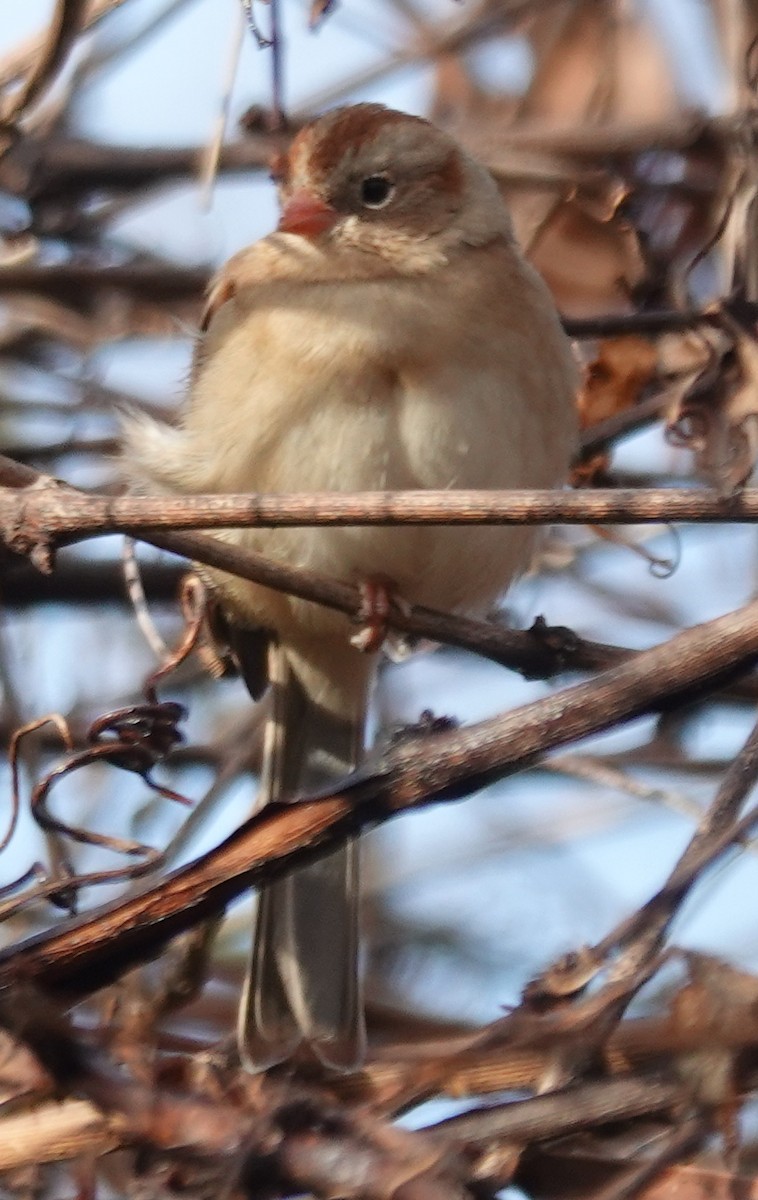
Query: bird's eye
point(376, 191)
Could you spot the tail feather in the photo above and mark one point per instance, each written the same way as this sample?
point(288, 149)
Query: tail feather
point(303, 983)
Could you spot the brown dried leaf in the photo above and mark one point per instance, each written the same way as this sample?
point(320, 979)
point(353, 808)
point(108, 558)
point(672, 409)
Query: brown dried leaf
point(597, 61)
point(614, 380)
point(566, 212)
point(590, 264)
point(716, 413)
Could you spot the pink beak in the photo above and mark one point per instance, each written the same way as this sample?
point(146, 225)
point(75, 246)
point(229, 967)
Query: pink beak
point(307, 215)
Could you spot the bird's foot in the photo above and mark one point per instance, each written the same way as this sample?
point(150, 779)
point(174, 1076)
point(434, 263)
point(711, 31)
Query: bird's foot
point(377, 594)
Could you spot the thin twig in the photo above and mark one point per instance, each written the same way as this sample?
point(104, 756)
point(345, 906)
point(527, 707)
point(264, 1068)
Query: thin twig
point(62, 31)
point(603, 434)
point(278, 109)
point(209, 168)
point(641, 934)
point(90, 952)
point(23, 58)
point(135, 590)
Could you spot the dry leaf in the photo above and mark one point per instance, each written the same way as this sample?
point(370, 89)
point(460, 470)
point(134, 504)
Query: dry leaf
point(614, 380)
point(597, 61)
point(566, 214)
point(716, 413)
point(590, 265)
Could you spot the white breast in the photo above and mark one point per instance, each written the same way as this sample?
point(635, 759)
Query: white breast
point(381, 385)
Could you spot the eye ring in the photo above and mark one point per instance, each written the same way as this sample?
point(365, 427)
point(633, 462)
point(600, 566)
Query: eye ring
point(376, 191)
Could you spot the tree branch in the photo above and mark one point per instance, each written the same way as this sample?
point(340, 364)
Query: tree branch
point(46, 515)
point(23, 57)
point(538, 653)
point(63, 29)
point(152, 278)
point(90, 952)
point(564, 1111)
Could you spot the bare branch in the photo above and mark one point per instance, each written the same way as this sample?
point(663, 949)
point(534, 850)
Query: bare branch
point(60, 514)
point(24, 57)
point(70, 166)
point(563, 1111)
point(541, 652)
point(149, 277)
point(62, 32)
point(88, 953)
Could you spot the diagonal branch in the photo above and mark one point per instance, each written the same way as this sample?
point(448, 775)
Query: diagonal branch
point(22, 59)
point(90, 952)
point(538, 653)
point(641, 935)
point(62, 32)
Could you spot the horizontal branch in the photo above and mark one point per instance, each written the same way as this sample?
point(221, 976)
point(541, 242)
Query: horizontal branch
point(651, 322)
point(639, 1044)
point(156, 280)
point(48, 515)
point(538, 653)
point(90, 952)
point(79, 581)
point(71, 165)
point(74, 165)
point(621, 138)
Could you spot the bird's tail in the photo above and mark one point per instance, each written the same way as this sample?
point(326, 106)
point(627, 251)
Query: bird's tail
point(303, 984)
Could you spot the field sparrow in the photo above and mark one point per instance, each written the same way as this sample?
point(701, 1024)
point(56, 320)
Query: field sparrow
point(388, 335)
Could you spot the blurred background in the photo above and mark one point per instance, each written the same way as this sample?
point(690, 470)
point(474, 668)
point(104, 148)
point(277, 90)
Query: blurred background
point(616, 130)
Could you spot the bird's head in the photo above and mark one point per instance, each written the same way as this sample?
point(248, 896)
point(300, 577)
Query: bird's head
point(379, 180)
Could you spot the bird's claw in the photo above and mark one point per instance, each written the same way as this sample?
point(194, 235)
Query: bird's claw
point(376, 594)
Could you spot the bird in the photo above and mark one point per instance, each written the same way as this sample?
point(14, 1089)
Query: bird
point(388, 335)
